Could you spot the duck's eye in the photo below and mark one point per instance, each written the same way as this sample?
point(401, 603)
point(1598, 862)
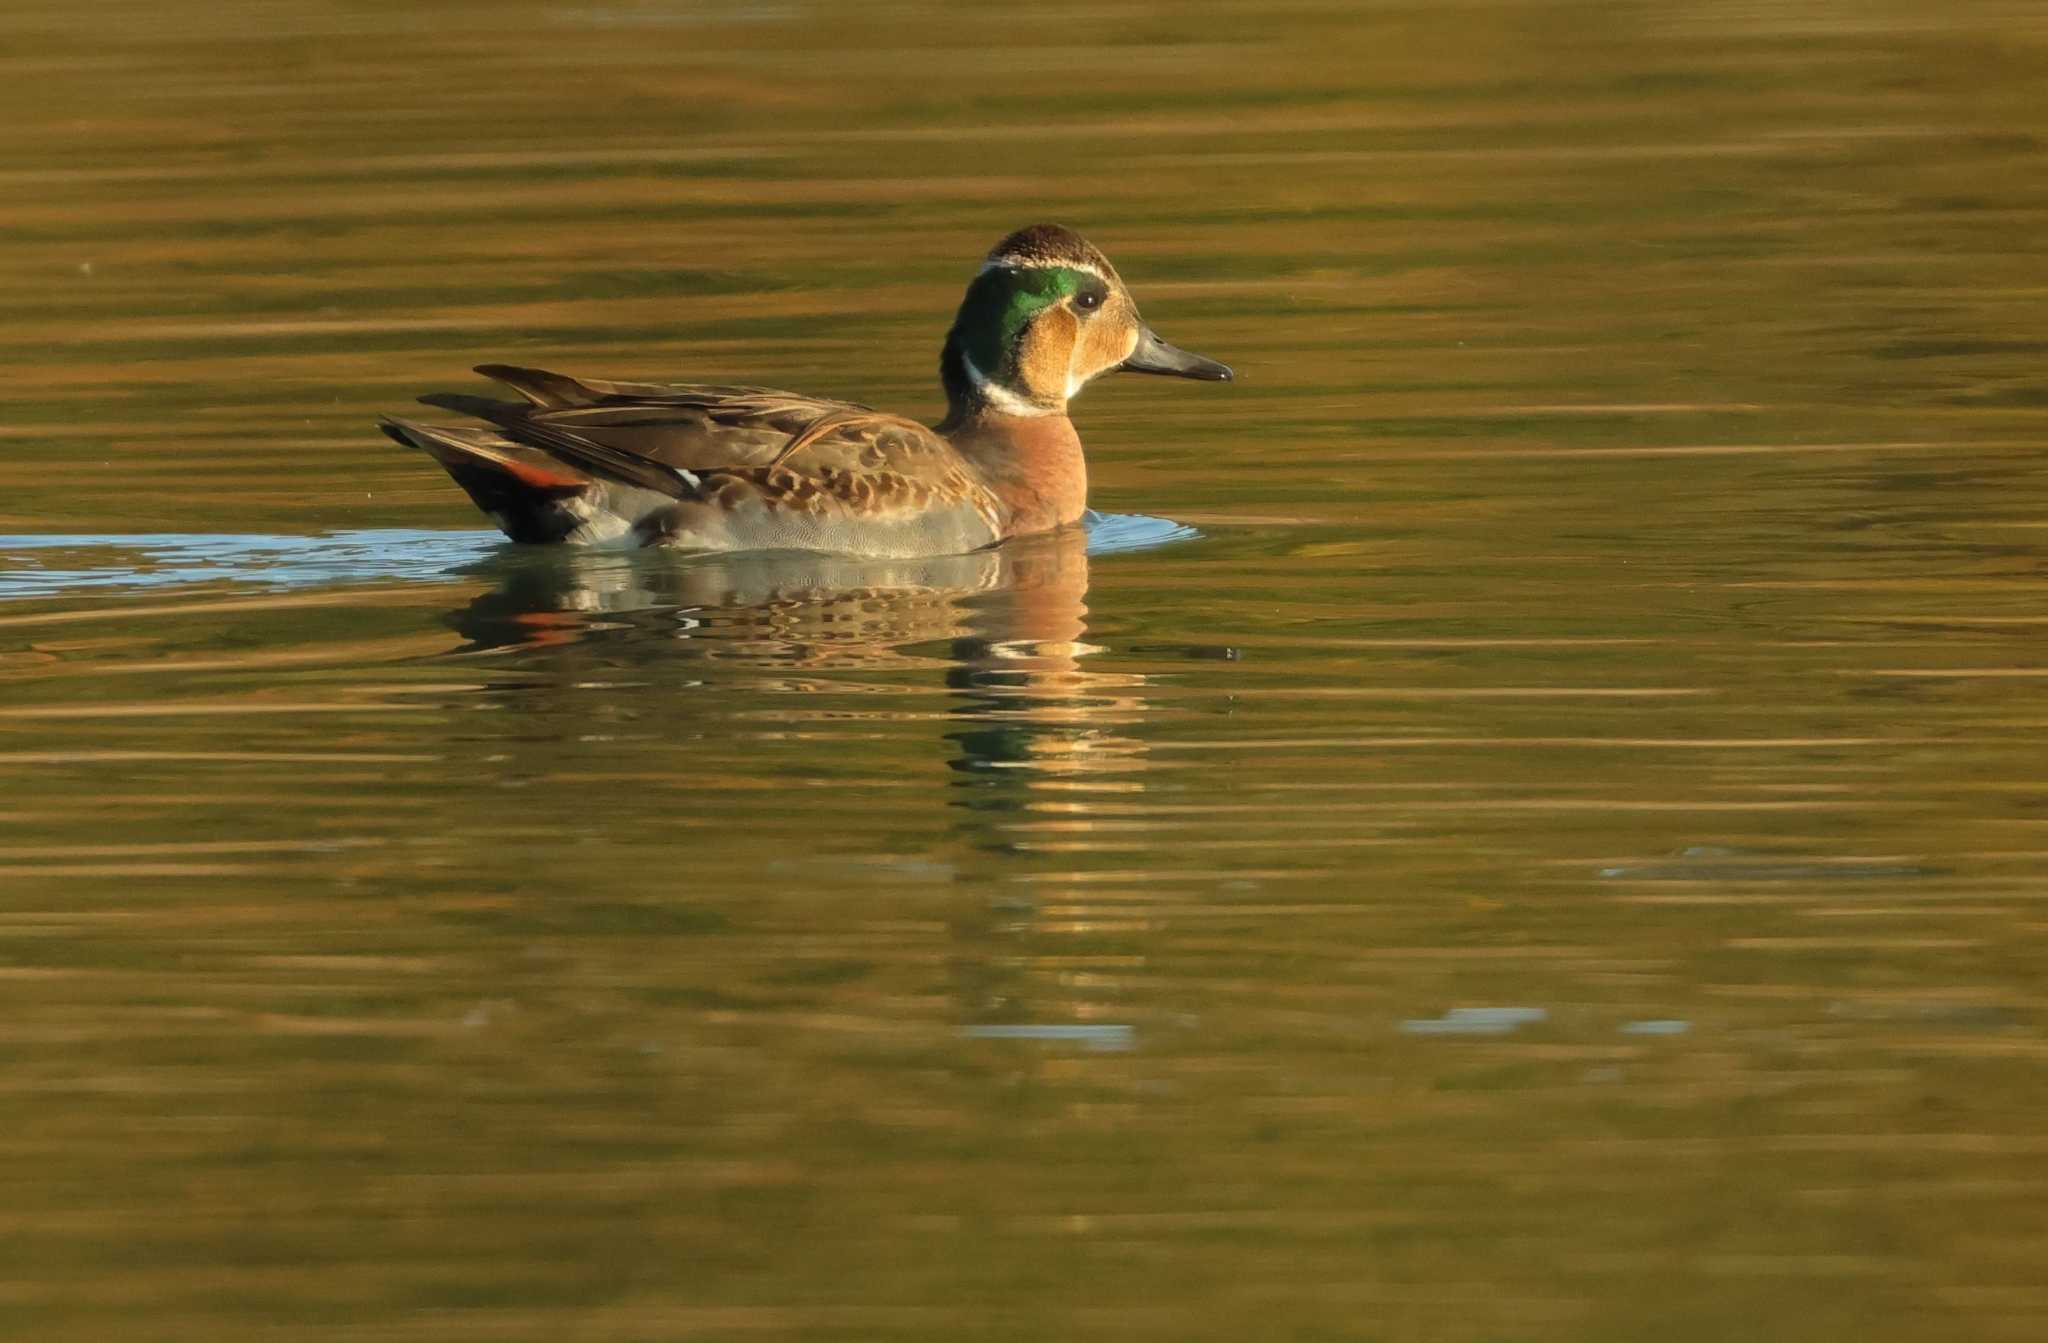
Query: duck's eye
point(1088, 300)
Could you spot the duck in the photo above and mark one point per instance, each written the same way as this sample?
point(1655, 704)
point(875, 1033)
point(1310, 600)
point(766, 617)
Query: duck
point(704, 467)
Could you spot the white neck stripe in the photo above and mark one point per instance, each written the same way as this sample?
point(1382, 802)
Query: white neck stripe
point(998, 396)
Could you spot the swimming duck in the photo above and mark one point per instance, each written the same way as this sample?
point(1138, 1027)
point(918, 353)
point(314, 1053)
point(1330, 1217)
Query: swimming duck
point(703, 467)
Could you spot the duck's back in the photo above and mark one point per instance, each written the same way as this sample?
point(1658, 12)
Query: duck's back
point(707, 467)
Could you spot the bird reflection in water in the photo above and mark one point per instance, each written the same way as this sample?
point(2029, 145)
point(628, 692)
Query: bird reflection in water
point(1008, 627)
point(1008, 624)
point(1038, 741)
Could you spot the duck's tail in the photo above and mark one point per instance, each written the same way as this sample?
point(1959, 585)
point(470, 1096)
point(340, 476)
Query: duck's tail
point(532, 496)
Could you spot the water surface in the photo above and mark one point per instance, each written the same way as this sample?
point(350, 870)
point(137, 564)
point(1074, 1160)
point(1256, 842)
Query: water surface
point(1545, 841)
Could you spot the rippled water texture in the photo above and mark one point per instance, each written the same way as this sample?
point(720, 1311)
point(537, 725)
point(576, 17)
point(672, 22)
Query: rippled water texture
point(1524, 821)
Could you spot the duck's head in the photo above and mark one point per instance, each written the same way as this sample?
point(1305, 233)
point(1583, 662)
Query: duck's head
point(1046, 314)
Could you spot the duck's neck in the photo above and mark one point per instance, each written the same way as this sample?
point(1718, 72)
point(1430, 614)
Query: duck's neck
point(1032, 462)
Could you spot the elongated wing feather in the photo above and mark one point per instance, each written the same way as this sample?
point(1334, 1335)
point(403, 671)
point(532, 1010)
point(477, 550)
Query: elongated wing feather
point(559, 391)
point(597, 457)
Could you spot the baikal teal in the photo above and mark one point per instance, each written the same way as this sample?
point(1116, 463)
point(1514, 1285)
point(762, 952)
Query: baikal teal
point(716, 468)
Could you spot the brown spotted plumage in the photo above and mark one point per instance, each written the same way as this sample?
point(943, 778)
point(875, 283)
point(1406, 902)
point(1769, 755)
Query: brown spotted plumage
point(708, 467)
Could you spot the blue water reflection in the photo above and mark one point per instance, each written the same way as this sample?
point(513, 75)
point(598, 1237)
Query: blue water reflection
point(51, 565)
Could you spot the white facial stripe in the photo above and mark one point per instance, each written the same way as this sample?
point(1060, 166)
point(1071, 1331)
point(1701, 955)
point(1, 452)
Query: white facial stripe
point(1034, 263)
point(1002, 398)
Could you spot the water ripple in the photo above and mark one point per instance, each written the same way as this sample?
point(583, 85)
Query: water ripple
point(53, 565)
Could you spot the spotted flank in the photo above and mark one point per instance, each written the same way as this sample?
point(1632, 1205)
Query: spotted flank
point(703, 467)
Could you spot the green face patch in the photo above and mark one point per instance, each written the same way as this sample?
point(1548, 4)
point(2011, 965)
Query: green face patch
point(1000, 304)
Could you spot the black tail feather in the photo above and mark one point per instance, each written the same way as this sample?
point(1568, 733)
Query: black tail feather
point(529, 499)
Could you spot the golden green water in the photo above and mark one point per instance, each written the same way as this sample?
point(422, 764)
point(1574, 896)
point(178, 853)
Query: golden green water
point(1544, 841)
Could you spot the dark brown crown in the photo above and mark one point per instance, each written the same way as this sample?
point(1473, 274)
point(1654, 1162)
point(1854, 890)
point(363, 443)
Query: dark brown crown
point(1049, 245)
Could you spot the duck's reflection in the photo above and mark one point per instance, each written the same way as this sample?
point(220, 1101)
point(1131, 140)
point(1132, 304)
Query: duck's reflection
point(1007, 625)
point(1034, 713)
point(1037, 740)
